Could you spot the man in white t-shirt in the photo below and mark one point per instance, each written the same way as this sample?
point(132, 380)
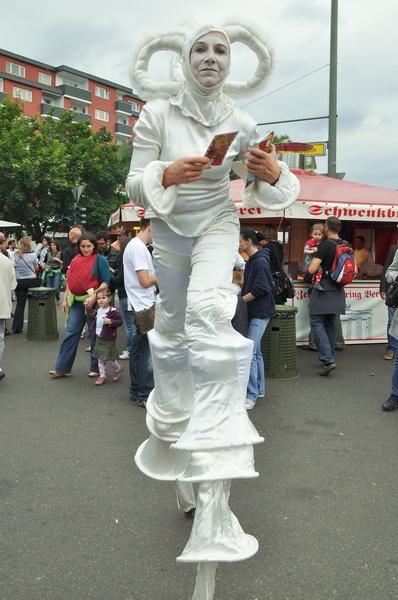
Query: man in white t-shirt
point(140, 284)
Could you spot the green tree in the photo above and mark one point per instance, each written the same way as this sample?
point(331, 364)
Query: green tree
point(41, 161)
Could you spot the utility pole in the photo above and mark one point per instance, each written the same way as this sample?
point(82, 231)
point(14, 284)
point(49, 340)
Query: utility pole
point(332, 137)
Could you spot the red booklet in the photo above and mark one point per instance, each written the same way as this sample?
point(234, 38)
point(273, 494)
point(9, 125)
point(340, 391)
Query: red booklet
point(219, 147)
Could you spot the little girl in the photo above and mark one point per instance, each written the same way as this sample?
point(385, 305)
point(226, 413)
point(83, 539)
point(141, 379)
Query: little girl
point(106, 320)
point(311, 246)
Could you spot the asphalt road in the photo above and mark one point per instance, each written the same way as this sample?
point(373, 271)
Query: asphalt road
point(79, 521)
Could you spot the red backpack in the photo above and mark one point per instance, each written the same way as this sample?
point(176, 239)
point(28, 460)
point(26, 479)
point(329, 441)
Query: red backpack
point(343, 268)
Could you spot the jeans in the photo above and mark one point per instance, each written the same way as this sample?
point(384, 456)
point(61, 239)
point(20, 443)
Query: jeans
point(391, 341)
point(67, 352)
point(141, 368)
point(127, 314)
point(324, 330)
point(394, 379)
point(54, 281)
point(256, 384)
point(340, 343)
point(21, 291)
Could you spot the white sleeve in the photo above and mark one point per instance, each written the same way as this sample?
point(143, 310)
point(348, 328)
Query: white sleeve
point(144, 181)
point(273, 197)
point(239, 263)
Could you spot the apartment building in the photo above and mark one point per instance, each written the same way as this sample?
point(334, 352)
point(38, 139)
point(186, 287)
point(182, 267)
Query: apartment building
point(44, 88)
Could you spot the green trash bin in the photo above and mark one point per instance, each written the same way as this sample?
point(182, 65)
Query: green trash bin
point(42, 315)
point(278, 344)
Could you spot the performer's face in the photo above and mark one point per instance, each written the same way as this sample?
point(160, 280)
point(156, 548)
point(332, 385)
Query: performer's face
point(209, 59)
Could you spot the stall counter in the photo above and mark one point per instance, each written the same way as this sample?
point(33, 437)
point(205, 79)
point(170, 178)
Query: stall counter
point(365, 321)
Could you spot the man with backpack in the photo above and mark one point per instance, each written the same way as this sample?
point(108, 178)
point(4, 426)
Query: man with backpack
point(327, 303)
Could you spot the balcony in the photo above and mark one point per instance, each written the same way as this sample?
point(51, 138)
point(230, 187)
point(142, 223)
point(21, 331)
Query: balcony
point(78, 117)
point(50, 110)
point(123, 107)
point(70, 91)
point(122, 129)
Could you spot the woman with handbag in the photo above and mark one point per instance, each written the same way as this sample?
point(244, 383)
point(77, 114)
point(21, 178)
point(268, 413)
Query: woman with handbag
point(25, 263)
point(87, 273)
point(52, 269)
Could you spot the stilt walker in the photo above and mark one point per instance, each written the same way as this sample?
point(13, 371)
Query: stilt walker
point(199, 429)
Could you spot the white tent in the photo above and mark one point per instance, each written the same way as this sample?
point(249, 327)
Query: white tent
point(9, 224)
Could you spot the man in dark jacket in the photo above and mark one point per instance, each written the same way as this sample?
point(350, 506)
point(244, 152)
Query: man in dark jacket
point(391, 342)
point(111, 255)
point(69, 253)
point(327, 303)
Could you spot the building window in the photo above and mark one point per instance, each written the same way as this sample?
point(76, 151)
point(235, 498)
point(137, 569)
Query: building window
point(15, 69)
point(135, 106)
point(101, 115)
point(101, 92)
point(22, 94)
point(78, 109)
point(45, 78)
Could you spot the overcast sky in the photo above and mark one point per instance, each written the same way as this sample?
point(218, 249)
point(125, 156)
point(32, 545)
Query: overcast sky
point(97, 36)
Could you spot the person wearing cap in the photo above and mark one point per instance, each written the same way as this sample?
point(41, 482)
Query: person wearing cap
point(121, 234)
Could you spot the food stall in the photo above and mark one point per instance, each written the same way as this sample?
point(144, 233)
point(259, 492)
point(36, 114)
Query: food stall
point(363, 209)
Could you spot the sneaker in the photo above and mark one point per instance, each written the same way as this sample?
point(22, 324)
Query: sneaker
point(118, 373)
point(261, 396)
point(190, 514)
point(88, 349)
point(141, 402)
point(59, 374)
point(125, 355)
point(326, 369)
point(101, 380)
point(389, 355)
point(2, 375)
point(93, 374)
point(308, 348)
point(250, 404)
point(391, 403)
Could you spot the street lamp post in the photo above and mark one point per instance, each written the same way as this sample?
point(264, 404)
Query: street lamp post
point(332, 137)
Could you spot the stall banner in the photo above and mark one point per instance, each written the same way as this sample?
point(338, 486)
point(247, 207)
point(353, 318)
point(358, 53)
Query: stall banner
point(323, 210)
point(365, 321)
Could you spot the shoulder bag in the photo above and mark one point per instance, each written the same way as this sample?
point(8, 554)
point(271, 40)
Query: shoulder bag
point(144, 320)
point(283, 285)
point(392, 295)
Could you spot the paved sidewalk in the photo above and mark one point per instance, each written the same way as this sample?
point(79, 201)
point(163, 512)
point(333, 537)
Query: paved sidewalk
point(79, 521)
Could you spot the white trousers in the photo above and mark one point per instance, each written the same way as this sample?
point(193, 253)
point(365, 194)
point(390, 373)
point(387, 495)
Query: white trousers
point(201, 364)
point(200, 430)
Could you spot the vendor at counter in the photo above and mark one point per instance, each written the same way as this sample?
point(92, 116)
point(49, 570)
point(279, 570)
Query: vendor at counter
point(363, 256)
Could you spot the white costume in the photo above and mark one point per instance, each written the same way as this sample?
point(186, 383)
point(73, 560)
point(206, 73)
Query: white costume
point(200, 431)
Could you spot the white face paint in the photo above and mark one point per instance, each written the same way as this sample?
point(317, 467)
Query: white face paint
point(209, 59)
